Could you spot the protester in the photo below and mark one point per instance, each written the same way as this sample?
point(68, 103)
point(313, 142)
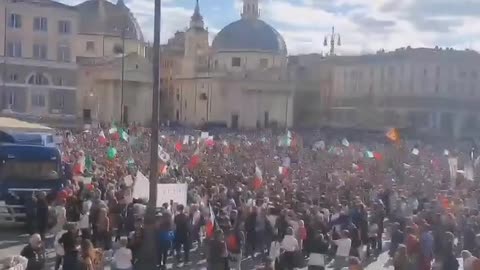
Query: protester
point(122, 257)
point(261, 192)
point(87, 255)
point(182, 234)
point(69, 243)
point(35, 253)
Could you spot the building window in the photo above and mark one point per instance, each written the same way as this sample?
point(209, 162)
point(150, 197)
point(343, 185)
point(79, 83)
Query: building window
point(40, 24)
point(38, 100)
point(15, 21)
point(11, 98)
point(264, 63)
point(60, 99)
point(64, 27)
point(236, 61)
point(90, 46)
point(59, 81)
point(13, 77)
point(38, 79)
point(14, 49)
point(63, 53)
point(39, 51)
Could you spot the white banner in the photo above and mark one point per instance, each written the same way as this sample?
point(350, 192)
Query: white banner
point(141, 187)
point(165, 192)
point(172, 192)
point(175, 192)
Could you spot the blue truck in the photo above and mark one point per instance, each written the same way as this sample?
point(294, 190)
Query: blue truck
point(27, 166)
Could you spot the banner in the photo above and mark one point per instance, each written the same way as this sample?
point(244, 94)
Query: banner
point(141, 187)
point(172, 192)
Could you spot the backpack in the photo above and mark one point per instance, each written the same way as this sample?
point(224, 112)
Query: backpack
point(52, 217)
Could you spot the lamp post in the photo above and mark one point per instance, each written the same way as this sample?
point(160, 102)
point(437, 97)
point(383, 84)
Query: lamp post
point(147, 256)
point(332, 37)
point(122, 117)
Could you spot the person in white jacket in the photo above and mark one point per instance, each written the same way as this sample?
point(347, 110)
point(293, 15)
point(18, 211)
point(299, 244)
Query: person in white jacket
point(122, 258)
point(14, 263)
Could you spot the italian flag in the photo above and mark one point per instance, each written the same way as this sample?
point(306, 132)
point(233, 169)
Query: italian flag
point(258, 181)
point(101, 138)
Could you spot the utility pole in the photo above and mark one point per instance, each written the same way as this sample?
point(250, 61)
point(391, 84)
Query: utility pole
point(148, 256)
point(122, 118)
point(122, 83)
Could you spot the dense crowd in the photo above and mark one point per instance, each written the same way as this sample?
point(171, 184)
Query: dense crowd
point(285, 200)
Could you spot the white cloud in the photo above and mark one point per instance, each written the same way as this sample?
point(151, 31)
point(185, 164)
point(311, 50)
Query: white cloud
point(364, 25)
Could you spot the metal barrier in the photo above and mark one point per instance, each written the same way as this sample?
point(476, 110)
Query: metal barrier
point(12, 214)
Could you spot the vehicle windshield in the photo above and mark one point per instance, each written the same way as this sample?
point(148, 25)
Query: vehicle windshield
point(29, 170)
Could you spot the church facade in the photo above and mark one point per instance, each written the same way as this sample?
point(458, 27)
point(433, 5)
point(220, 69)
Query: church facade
point(240, 81)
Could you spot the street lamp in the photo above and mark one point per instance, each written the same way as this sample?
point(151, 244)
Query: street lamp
point(123, 32)
point(147, 255)
point(332, 37)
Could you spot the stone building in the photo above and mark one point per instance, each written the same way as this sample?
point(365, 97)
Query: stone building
point(240, 81)
point(430, 90)
point(37, 59)
point(51, 55)
point(115, 79)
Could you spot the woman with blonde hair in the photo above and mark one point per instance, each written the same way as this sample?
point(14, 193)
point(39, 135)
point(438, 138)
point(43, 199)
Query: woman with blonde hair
point(87, 255)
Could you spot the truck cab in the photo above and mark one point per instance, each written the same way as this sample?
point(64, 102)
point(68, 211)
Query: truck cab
point(27, 169)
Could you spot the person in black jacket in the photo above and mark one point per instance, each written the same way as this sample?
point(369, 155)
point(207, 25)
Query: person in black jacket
point(42, 214)
point(319, 248)
point(31, 213)
point(35, 253)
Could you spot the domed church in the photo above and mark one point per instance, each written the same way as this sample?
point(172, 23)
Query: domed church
point(239, 81)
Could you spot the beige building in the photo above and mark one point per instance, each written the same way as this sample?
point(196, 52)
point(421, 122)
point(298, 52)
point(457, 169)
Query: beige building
point(115, 79)
point(240, 81)
point(49, 47)
point(431, 90)
point(313, 81)
point(37, 60)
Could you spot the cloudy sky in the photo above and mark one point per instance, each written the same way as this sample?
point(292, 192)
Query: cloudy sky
point(365, 25)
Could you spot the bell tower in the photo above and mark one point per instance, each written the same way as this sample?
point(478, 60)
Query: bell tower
point(196, 44)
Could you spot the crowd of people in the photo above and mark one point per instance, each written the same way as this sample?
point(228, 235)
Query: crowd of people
point(282, 200)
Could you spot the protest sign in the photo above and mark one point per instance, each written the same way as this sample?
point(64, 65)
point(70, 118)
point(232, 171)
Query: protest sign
point(128, 180)
point(141, 187)
point(174, 192)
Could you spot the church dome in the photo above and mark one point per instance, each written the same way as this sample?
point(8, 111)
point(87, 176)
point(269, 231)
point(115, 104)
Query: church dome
point(105, 18)
point(249, 35)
